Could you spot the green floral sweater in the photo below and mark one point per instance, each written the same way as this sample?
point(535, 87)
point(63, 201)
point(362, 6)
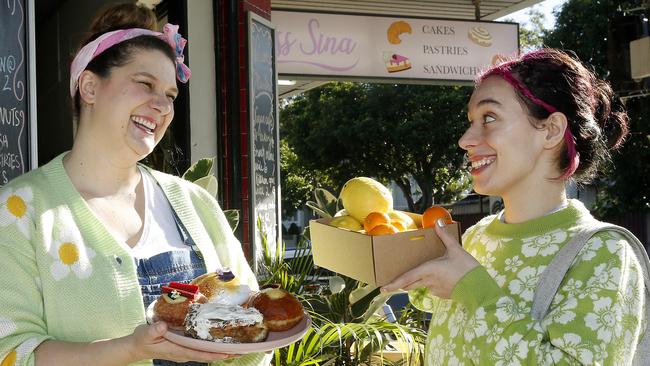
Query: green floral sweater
point(596, 317)
point(64, 277)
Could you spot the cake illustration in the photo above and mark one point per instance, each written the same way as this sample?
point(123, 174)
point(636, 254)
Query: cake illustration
point(395, 62)
point(480, 36)
point(396, 29)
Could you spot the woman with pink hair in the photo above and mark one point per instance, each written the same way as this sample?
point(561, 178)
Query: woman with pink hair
point(536, 122)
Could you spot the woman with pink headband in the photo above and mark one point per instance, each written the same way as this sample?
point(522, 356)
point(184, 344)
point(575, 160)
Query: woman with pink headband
point(536, 122)
point(88, 239)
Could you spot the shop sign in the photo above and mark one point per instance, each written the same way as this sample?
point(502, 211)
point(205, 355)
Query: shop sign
point(380, 47)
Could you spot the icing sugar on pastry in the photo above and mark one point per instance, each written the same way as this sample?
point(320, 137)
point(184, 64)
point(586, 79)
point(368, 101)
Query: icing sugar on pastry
point(225, 323)
point(207, 317)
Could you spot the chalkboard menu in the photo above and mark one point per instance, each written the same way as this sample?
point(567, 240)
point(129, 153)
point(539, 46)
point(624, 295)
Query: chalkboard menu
point(14, 100)
point(263, 154)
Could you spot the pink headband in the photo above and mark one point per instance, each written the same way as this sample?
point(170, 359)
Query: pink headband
point(109, 39)
point(503, 70)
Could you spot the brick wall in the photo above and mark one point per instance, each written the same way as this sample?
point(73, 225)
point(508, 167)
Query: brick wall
point(229, 135)
point(259, 7)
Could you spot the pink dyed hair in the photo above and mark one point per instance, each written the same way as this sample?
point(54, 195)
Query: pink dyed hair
point(504, 70)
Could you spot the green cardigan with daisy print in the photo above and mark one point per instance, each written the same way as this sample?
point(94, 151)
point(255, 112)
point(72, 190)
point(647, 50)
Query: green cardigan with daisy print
point(596, 317)
point(64, 276)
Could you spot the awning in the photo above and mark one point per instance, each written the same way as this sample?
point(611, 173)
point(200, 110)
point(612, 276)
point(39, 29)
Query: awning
point(453, 9)
point(447, 9)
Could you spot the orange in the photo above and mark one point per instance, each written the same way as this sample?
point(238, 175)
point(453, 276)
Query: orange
point(375, 218)
point(398, 224)
point(433, 213)
point(382, 229)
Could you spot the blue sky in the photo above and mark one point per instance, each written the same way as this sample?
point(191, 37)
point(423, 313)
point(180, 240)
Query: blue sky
point(545, 7)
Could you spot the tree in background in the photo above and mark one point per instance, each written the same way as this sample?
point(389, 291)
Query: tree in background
point(297, 182)
point(343, 130)
point(531, 34)
point(582, 26)
point(406, 134)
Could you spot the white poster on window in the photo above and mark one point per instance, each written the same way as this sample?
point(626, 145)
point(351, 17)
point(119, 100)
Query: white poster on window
point(379, 47)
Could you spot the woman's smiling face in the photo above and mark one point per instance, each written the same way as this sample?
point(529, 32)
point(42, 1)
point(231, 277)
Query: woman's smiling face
point(504, 148)
point(134, 104)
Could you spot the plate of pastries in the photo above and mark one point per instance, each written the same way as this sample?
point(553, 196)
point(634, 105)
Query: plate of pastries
point(216, 313)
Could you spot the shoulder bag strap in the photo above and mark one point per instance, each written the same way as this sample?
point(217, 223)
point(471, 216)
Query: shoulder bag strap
point(553, 275)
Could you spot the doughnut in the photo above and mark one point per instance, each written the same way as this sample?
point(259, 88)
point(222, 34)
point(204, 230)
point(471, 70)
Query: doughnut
point(222, 287)
point(225, 323)
point(172, 306)
point(281, 310)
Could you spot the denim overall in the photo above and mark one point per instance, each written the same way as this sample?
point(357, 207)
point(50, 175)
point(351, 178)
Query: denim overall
point(178, 266)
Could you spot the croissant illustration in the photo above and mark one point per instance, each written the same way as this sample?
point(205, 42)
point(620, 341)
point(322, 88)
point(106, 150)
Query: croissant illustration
point(396, 29)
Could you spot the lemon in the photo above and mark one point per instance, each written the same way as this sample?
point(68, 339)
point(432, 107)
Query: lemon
point(399, 215)
point(362, 195)
point(346, 222)
point(417, 218)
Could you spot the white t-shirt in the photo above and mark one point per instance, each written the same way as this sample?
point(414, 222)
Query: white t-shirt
point(159, 233)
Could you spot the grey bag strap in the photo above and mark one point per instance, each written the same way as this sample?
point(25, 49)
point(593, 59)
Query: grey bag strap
point(553, 275)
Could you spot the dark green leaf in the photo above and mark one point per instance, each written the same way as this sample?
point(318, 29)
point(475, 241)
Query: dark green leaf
point(200, 169)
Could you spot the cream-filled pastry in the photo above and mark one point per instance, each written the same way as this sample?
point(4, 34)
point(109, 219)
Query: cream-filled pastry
point(222, 287)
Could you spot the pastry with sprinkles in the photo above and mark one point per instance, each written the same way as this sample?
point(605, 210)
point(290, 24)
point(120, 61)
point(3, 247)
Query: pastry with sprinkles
point(172, 306)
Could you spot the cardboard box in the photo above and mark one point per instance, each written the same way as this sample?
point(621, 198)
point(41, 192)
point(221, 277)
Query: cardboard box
point(375, 260)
